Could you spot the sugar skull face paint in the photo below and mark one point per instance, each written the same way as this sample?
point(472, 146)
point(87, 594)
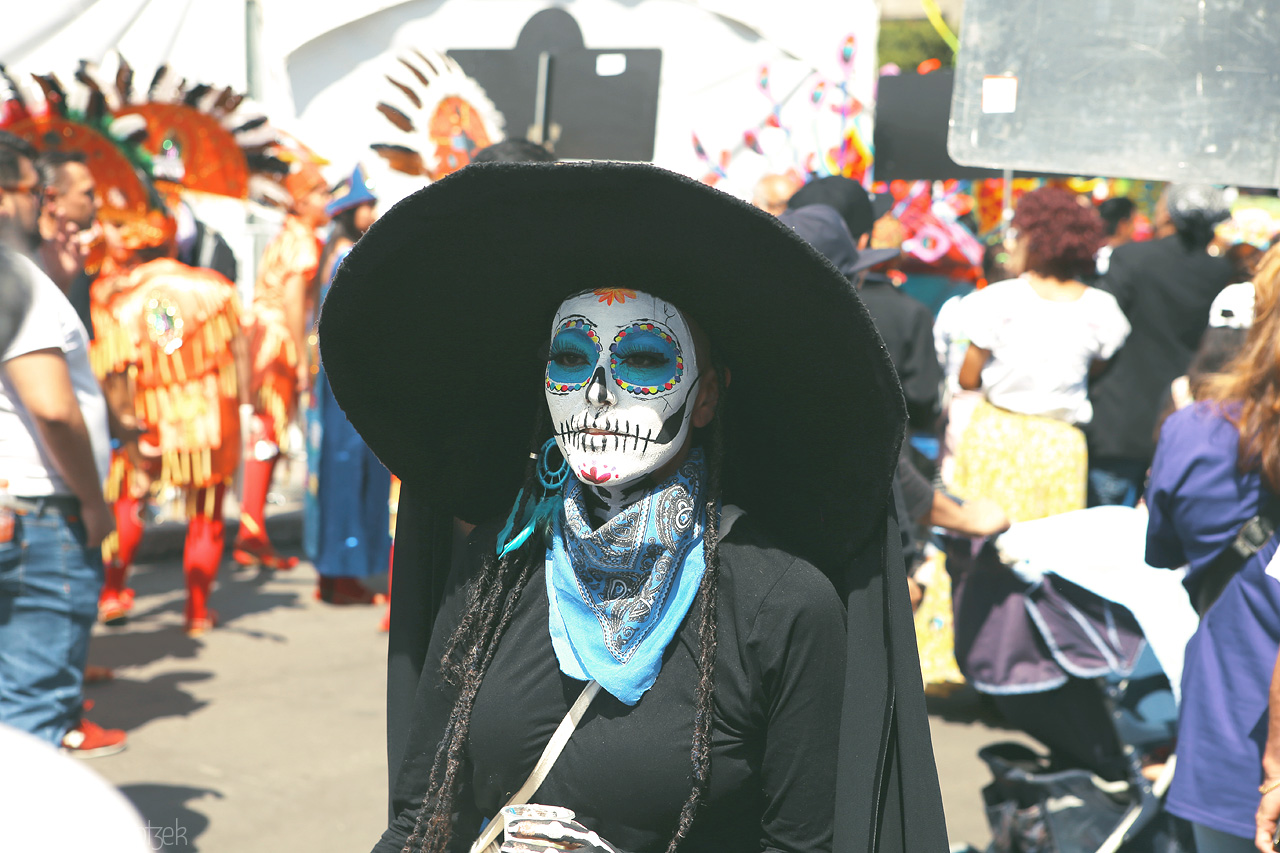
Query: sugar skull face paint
point(620, 372)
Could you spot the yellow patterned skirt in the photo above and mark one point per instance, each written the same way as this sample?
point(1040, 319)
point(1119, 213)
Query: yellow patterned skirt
point(1033, 467)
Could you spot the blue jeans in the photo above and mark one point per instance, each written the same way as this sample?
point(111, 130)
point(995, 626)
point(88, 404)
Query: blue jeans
point(49, 586)
point(1116, 480)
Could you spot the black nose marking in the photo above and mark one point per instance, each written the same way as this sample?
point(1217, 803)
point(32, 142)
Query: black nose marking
point(596, 391)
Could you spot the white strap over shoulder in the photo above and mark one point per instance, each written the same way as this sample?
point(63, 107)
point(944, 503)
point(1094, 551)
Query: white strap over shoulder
point(488, 840)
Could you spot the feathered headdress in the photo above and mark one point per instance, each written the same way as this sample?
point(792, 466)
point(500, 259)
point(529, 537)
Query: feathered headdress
point(441, 117)
point(203, 138)
point(82, 122)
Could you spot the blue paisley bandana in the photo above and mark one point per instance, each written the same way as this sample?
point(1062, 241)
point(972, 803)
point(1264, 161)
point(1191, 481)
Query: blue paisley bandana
point(619, 593)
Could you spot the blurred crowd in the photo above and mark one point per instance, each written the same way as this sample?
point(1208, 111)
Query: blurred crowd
point(1089, 369)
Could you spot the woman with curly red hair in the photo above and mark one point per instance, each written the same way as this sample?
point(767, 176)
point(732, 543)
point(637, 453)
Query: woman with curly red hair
point(1033, 342)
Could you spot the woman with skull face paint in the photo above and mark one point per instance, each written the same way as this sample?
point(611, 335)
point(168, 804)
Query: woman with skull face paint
point(691, 545)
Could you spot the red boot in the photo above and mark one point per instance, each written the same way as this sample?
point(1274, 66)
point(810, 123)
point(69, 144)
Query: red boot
point(200, 560)
point(252, 547)
point(117, 599)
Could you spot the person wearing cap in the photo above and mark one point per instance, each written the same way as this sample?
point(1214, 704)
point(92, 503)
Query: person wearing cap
point(907, 336)
point(347, 516)
point(1230, 317)
point(1165, 287)
point(856, 206)
point(822, 227)
point(276, 324)
point(665, 429)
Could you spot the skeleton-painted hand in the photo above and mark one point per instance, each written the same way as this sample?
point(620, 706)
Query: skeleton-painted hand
point(530, 835)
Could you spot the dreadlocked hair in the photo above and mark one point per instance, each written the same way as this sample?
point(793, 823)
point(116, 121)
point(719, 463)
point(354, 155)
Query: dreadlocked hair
point(491, 603)
point(704, 711)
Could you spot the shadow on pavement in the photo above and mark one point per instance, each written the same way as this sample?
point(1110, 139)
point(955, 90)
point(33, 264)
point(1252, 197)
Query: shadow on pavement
point(125, 703)
point(237, 592)
point(140, 647)
point(240, 593)
point(171, 823)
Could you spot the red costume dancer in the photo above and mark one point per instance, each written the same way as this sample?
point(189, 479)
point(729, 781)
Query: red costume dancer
point(168, 333)
point(276, 327)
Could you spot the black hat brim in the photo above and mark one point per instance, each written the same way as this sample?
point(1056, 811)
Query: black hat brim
point(433, 337)
point(869, 258)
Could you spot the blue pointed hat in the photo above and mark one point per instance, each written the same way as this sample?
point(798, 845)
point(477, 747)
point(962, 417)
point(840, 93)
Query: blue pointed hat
point(357, 194)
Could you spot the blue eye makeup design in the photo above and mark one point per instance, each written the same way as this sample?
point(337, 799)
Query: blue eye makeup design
point(575, 349)
point(646, 360)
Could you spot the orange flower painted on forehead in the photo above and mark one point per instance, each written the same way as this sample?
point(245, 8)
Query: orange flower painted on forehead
point(609, 295)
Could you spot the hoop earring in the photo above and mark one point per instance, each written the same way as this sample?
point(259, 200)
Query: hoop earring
point(551, 478)
point(540, 511)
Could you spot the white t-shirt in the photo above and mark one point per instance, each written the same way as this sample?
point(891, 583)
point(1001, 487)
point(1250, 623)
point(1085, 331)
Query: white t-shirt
point(51, 323)
point(1041, 350)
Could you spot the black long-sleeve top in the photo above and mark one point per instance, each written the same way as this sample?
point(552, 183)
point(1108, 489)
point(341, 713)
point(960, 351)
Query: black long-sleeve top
point(626, 771)
point(906, 326)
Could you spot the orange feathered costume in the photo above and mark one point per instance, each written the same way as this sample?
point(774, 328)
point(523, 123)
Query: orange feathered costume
point(287, 272)
point(294, 253)
point(168, 330)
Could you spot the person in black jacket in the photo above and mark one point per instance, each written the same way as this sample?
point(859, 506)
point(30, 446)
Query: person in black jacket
point(905, 324)
point(1165, 287)
point(674, 428)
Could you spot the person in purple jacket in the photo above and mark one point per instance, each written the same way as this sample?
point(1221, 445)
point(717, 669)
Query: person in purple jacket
point(1217, 468)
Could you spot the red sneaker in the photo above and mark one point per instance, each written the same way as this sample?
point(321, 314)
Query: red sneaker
point(90, 740)
point(114, 607)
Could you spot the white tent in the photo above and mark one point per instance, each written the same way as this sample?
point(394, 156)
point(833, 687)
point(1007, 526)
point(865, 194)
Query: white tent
point(319, 68)
point(318, 65)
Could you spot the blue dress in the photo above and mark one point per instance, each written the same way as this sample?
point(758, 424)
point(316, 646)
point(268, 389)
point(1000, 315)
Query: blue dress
point(346, 511)
point(1198, 500)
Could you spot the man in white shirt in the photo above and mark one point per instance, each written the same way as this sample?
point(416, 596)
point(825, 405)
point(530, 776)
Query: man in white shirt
point(54, 451)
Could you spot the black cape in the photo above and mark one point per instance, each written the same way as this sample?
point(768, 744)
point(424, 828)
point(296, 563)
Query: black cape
point(887, 794)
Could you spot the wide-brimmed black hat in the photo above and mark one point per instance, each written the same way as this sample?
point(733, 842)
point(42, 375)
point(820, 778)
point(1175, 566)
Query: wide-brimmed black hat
point(433, 337)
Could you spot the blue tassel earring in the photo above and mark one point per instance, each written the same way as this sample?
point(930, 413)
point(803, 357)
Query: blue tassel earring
point(551, 480)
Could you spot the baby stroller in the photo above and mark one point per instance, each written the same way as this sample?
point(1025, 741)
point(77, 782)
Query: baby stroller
point(1065, 600)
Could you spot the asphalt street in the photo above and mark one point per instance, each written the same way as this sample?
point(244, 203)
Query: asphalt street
point(267, 734)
